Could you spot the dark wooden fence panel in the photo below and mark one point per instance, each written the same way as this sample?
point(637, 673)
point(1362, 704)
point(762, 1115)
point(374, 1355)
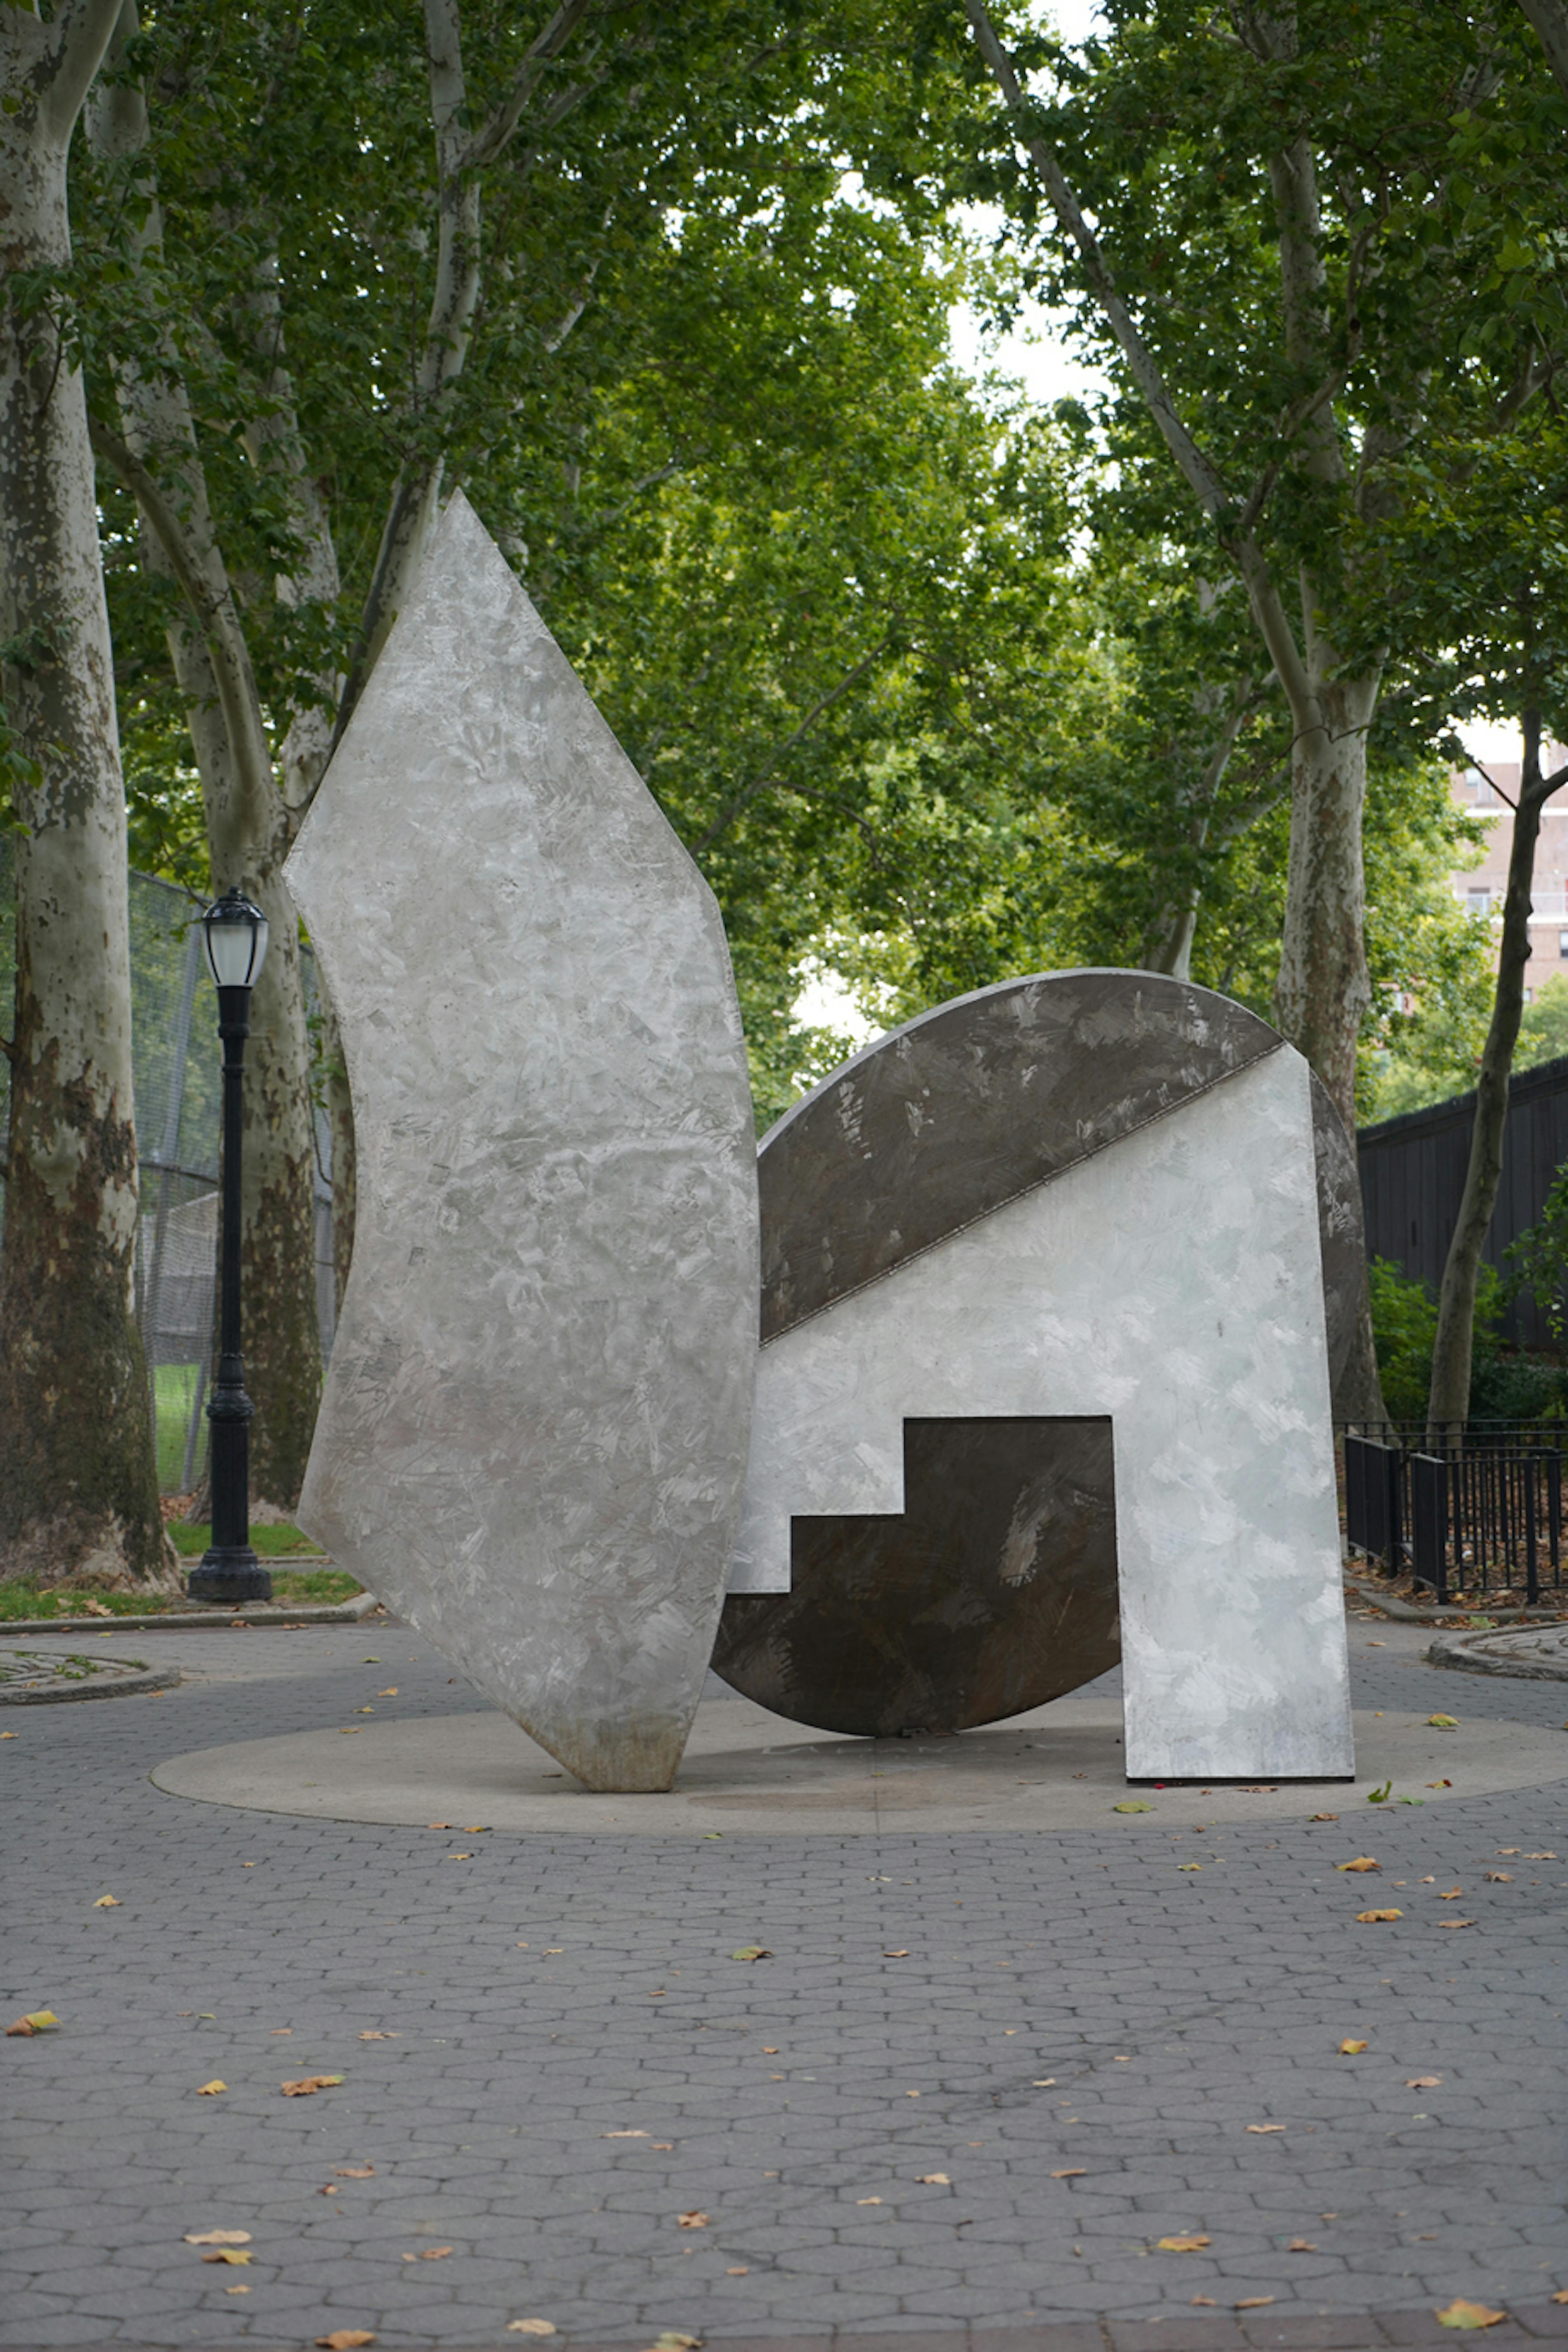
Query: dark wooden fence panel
point(1413, 1173)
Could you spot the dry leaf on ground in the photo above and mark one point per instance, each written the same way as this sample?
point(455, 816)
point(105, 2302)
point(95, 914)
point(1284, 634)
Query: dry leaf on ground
point(1300, 2246)
point(1561, 2295)
point(1324, 1817)
point(1132, 1805)
point(107, 1903)
point(346, 2339)
point(36, 2020)
point(435, 2253)
point(354, 2171)
point(531, 2328)
point(1460, 2314)
point(1361, 1862)
point(867, 2200)
point(1205, 2299)
point(210, 2090)
point(1542, 1857)
point(1072, 2172)
point(692, 2220)
point(751, 1952)
point(1260, 2129)
point(624, 2135)
point(1182, 2245)
point(670, 2340)
point(933, 2181)
point(307, 2084)
point(1351, 2049)
point(1443, 1722)
point(1452, 1894)
point(225, 2254)
point(1366, 1919)
point(217, 2237)
point(373, 2036)
point(1455, 1923)
point(895, 1956)
point(1499, 1877)
point(1424, 2082)
point(1252, 2303)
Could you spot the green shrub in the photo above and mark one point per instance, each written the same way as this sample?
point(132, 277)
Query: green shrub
point(1403, 1327)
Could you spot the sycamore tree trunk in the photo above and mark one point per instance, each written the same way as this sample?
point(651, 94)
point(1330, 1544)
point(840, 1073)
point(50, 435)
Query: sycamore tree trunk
point(1449, 1404)
point(248, 833)
point(1323, 987)
point(79, 1487)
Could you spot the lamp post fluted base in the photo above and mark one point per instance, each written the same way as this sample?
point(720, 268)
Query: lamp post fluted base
point(229, 1574)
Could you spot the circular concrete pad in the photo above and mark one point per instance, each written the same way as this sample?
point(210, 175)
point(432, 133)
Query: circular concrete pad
point(748, 1772)
point(1534, 1653)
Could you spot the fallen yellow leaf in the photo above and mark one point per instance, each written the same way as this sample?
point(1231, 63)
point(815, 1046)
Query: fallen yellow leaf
point(36, 2020)
point(1561, 2295)
point(307, 2084)
point(388, 1694)
point(1444, 1723)
point(867, 2200)
point(373, 2036)
point(1300, 2246)
point(531, 2328)
point(751, 1952)
point(346, 2339)
point(1451, 1895)
point(1499, 1877)
point(1279, 2127)
point(1252, 2303)
point(624, 2135)
point(217, 2237)
point(1455, 1923)
point(1132, 1805)
point(1072, 2172)
point(692, 2220)
point(1351, 2049)
point(354, 2171)
point(1424, 2082)
point(433, 2254)
point(107, 1903)
point(1461, 2314)
point(933, 2181)
point(225, 2254)
point(1361, 1862)
point(895, 1956)
point(210, 2090)
point(1180, 2245)
point(1367, 1917)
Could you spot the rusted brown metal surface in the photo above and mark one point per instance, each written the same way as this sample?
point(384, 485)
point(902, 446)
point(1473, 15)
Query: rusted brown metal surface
point(992, 1591)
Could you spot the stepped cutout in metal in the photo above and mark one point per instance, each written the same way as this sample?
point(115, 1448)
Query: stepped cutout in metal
point(1087, 1196)
point(532, 1439)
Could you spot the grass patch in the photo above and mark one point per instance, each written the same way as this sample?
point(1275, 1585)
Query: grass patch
point(267, 1543)
point(291, 1586)
point(174, 1400)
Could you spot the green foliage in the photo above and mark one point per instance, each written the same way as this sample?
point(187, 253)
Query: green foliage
point(1543, 1027)
point(1538, 1257)
point(1404, 1329)
point(1504, 1385)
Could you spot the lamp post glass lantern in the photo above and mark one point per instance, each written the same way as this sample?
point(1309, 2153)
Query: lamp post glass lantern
point(235, 933)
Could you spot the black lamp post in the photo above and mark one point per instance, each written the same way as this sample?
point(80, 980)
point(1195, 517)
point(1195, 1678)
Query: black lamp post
point(236, 934)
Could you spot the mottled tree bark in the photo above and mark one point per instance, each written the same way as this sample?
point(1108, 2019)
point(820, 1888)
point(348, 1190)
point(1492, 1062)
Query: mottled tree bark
point(1449, 1401)
point(78, 1489)
point(248, 834)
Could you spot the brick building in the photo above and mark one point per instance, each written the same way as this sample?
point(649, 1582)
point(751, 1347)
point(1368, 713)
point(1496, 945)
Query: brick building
point(1483, 888)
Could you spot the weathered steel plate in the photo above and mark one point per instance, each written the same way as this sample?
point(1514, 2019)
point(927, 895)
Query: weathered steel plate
point(992, 1590)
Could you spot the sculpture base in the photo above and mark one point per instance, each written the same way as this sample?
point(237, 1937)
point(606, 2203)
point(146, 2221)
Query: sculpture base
point(229, 1574)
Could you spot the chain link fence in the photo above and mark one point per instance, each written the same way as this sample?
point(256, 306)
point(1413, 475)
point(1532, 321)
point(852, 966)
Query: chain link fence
point(178, 1066)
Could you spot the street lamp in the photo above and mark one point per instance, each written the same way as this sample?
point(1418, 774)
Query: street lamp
point(236, 936)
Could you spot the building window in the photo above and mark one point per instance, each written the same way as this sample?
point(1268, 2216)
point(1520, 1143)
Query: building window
point(1563, 943)
point(1480, 902)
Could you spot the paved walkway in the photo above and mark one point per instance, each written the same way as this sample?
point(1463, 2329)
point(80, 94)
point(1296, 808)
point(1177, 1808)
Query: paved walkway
point(977, 2077)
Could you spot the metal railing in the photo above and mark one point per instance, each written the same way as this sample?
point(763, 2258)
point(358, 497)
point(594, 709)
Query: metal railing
point(1478, 1517)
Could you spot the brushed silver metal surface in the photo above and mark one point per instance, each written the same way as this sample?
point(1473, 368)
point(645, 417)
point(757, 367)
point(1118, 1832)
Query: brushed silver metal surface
point(532, 1439)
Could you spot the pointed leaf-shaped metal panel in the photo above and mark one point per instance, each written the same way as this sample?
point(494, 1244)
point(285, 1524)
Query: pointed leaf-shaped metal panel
point(533, 1440)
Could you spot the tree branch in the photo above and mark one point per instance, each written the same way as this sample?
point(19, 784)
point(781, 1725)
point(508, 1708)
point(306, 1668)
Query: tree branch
point(727, 816)
point(79, 34)
point(496, 132)
point(1550, 18)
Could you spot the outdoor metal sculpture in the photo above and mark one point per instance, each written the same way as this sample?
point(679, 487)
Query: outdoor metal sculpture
point(532, 1439)
point(1074, 1213)
point(1054, 1255)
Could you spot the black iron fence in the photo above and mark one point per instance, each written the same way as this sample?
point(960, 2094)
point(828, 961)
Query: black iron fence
point(1479, 1517)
